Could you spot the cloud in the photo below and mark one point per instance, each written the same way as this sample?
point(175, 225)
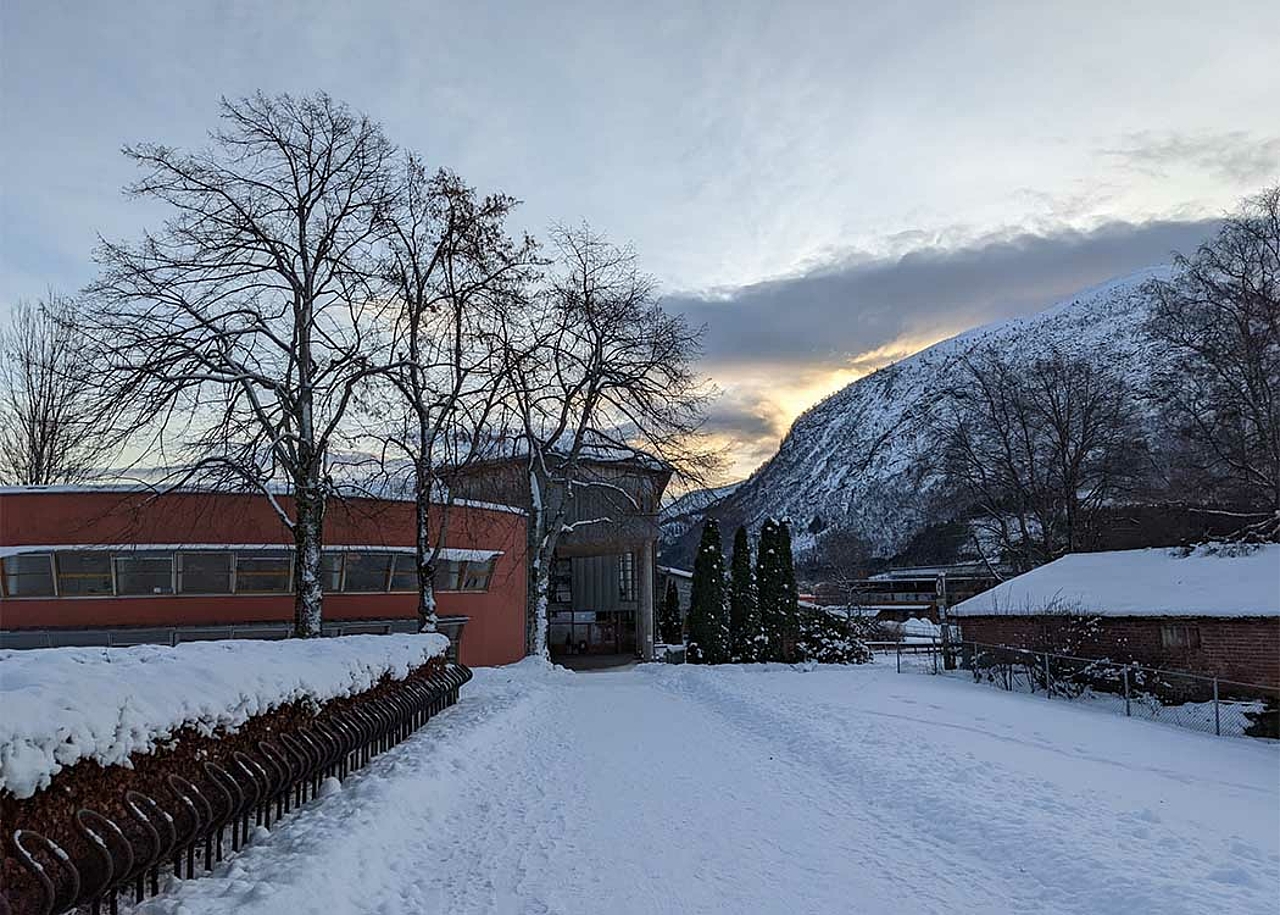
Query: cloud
point(776, 348)
point(1235, 155)
point(840, 316)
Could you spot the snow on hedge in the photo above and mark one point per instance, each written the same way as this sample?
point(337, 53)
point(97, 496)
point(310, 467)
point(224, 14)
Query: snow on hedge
point(1225, 581)
point(62, 705)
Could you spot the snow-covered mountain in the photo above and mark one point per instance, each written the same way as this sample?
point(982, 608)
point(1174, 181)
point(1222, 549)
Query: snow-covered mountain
point(679, 515)
point(855, 460)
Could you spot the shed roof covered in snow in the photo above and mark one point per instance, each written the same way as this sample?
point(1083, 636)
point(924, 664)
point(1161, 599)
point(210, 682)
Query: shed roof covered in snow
point(1208, 581)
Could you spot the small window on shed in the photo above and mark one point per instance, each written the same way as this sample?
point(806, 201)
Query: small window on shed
point(1180, 635)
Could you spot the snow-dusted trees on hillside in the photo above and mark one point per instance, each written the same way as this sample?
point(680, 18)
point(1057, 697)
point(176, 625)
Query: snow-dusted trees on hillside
point(47, 431)
point(1038, 449)
point(238, 334)
point(1220, 319)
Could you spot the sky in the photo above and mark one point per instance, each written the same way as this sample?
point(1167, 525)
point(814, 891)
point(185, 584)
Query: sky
point(827, 186)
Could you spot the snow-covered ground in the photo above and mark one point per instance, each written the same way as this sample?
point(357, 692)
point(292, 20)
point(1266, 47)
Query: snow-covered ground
point(684, 789)
point(61, 705)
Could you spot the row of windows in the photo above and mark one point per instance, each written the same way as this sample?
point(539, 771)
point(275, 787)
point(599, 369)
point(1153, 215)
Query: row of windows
point(83, 573)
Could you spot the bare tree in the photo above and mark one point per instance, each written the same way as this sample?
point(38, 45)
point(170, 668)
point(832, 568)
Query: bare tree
point(47, 432)
point(1039, 448)
point(600, 373)
point(453, 268)
point(239, 333)
point(1220, 318)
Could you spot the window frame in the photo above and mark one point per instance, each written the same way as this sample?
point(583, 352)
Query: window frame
point(387, 575)
point(144, 554)
point(288, 555)
point(53, 576)
point(179, 571)
point(58, 573)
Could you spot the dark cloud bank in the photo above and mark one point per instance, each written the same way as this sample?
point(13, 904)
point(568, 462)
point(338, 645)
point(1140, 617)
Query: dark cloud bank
point(824, 319)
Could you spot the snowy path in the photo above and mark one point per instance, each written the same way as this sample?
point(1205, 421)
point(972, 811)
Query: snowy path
point(750, 790)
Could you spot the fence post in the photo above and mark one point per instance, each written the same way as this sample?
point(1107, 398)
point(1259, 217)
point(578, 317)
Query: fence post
point(899, 657)
point(1048, 680)
point(935, 658)
point(1217, 717)
point(1126, 692)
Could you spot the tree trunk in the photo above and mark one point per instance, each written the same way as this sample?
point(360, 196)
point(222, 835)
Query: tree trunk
point(427, 618)
point(308, 539)
point(541, 583)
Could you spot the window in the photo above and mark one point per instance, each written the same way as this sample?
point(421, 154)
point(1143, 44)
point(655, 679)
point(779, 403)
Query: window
point(627, 576)
point(331, 571)
point(447, 575)
point(561, 581)
point(475, 575)
point(28, 575)
point(84, 573)
point(404, 576)
point(367, 572)
point(204, 573)
point(262, 572)
point(144, 573)
point(1179, 636)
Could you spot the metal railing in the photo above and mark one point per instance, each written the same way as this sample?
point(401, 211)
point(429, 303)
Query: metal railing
point(1211, 705)
point(184, 821)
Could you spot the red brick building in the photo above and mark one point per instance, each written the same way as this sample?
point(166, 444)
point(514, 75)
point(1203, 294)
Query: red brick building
point(121, 565)
point(1211, 612)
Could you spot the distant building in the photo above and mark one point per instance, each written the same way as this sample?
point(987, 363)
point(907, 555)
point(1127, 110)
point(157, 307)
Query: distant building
point(127, 565)
point(604, 573)
point(683, 580)
point(1215, 612)
point(897, 595)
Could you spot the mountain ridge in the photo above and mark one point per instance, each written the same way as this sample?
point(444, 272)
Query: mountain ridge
point(857, 460)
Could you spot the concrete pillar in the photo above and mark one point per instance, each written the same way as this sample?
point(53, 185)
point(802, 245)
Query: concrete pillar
point(646, 573)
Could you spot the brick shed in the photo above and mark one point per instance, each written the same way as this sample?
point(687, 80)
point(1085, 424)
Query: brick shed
point(1213, 611)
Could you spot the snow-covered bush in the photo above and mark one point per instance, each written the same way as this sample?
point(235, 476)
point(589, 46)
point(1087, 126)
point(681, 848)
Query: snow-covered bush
point(831, 639)
point(59, 706)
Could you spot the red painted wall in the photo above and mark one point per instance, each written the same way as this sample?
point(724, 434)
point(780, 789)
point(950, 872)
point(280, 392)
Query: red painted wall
point(494, 634)
point(1246, 650)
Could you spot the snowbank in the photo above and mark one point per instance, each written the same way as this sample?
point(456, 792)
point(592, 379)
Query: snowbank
point(1223, 582)
point(62, 705)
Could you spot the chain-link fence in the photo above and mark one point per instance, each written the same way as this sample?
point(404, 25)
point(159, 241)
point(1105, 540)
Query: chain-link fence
point(1207, 704)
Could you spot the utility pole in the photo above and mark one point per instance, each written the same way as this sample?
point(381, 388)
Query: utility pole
point(948, 659)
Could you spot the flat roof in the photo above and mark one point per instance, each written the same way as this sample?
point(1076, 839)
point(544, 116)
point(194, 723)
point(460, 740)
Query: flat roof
point(274, 489)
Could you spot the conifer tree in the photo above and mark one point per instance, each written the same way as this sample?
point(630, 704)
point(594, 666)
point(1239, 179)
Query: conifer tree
point(790, 596)
point(670, 629)
point(744, 608)
point(769, 591)
point(709, 641)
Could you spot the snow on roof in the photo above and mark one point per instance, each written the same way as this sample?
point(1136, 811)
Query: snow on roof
point(274, 488)
point(1209, 581)
point(672, 570)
